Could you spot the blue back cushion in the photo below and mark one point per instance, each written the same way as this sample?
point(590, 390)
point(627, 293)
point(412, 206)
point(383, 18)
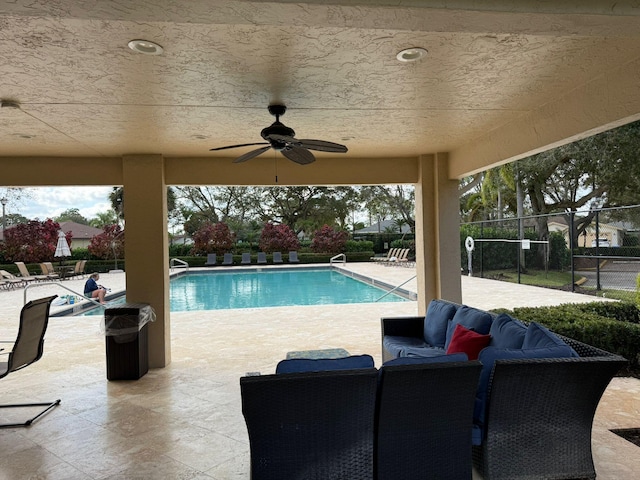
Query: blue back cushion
point(507, 332)
point(435, 323)
point(397, 345)
point(455, 357)
point(538, 336)
point(489, 355)
point(472, 318)
point(299, 365)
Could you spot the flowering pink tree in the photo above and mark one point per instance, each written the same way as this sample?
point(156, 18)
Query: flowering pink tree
point(278, 238)
point(33, 241)
point(211, 238)
point(109, 243)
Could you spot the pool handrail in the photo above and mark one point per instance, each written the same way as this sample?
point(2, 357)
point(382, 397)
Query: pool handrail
point(335, 258)
point(81, 295)
point(181, 264)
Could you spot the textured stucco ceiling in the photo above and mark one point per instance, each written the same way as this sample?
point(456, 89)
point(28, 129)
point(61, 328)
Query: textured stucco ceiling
point(84, 93)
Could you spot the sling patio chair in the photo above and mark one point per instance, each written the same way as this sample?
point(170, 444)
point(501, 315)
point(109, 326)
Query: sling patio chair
point(277, 257)
point(262, 258)
point(227, 259)
point(212, 260)
point(24, 273)
point(246, 259)
point(28, 349)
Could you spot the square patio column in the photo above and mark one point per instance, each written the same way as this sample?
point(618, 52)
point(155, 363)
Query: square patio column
point(146, 247)
point(437, 232)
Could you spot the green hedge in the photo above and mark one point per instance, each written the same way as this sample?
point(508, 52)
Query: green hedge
point(611, 326)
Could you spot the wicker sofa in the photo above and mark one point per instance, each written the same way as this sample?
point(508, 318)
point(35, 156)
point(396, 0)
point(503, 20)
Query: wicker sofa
point(534, 406)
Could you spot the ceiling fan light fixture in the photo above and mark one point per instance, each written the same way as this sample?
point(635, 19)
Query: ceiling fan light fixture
point(412, 54)
point(145, 47)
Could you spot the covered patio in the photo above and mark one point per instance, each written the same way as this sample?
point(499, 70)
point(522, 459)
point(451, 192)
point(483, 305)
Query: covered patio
point(499, 81)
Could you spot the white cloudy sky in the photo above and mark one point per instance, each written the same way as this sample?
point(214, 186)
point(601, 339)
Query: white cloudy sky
point(43, 203)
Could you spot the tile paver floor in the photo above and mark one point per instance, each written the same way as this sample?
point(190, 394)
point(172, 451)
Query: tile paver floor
point(184, 421)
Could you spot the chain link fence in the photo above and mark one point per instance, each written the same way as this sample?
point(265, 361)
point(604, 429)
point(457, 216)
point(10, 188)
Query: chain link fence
point(595, 251)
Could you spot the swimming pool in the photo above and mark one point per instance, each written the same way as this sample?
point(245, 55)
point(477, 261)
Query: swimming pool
point(270, 288)
point(267, 288)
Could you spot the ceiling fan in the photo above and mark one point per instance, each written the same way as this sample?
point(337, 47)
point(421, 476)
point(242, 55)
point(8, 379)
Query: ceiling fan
point(281, 138)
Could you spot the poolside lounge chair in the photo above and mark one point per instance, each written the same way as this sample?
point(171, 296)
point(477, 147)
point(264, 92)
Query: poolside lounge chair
point(12, 280)
point(277, 257)
point(24, 273)
point(262, 258)
point(211, 260)
point(27, 349)
point(383, 258)
point(246, 259)
point(227, 259)
point(47, 269)
point(293, 257)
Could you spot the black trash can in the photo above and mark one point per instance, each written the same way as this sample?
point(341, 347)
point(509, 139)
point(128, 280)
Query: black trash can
point(127, 340)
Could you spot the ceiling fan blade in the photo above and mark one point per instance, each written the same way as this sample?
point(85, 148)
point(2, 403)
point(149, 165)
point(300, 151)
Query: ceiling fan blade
point(322, 146)
point(236, 146)
point(299, 155)
point(251, 154)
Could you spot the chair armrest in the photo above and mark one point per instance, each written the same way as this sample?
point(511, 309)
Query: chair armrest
point(403, 326)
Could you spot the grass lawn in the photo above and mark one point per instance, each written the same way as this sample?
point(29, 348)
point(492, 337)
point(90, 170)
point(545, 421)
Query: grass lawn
point(538, 278)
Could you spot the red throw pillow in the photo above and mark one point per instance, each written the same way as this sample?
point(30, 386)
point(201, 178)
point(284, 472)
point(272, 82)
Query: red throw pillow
point(467, 341)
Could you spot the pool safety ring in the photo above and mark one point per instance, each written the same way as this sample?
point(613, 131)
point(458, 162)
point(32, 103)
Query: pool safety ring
point(469, 244)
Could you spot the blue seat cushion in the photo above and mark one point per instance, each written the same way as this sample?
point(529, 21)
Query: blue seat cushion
point(489, 355)
point(456, 357)
point(395, 345)
point(422, 352)
point(299, 365)
point(471, 318)
point(439, 313)
point(507, 332)
point(538, 336)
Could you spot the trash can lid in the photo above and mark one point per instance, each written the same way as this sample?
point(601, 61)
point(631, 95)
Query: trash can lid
point(126, 309)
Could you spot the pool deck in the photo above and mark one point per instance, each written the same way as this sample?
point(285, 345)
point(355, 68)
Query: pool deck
point(184, 421)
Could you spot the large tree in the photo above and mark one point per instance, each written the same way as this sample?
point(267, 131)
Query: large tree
point(391, 201)
point(72, 215)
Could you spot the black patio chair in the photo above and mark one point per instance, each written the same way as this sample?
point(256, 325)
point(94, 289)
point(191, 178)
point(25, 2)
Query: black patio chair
point(312, 426)
point(27, 349)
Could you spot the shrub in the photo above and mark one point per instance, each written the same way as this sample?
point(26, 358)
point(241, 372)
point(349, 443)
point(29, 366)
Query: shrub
point(278, 238)
point(329, 240)
point(359, 246)
point(213, 239)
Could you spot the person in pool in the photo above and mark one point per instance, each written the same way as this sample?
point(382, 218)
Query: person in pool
point(93, 290)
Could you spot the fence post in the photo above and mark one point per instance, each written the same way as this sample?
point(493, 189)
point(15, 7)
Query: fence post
point(598, 286)
point(572, 231)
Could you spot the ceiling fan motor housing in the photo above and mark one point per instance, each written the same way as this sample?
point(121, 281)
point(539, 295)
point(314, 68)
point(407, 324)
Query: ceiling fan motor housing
point(277, 128)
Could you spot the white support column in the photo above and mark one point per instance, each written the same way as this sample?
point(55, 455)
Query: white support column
point(437, 232)
point(146, 247)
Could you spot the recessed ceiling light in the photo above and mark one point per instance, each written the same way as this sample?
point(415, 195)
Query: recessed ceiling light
point(411, 54)
point(200, 137)
point(25, 136)
point(145, 47)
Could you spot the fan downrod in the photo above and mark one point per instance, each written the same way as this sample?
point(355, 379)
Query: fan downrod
point(277, 110)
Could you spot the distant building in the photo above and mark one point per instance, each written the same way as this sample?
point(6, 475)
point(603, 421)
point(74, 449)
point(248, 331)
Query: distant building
point(385, 226)
point(82, 234)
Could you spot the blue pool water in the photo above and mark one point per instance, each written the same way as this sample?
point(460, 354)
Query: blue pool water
point(267, 288)
point(270, 288)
